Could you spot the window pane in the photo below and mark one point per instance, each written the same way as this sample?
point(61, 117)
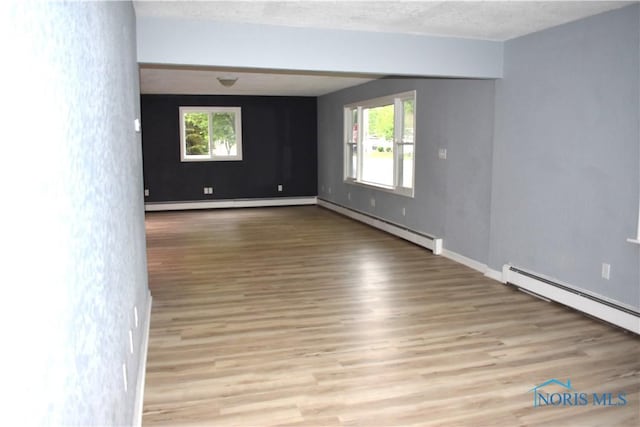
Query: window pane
point(354, 125)
point(351, 147)
point(352, 160)
point(377, 150)
point(196, 128)
point(407, 166)
point(224, 134)
point(408, 137)
point(407, 120)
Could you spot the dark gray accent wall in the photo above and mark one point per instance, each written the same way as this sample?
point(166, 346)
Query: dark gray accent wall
point(452, 196)
point(279, 145)
point(566, 154)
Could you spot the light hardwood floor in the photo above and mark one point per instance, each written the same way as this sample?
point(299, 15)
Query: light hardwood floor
point(301, 317)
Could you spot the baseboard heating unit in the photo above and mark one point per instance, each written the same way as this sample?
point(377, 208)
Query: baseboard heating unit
point(434, 244)
point(586, 302)
point(230, 203)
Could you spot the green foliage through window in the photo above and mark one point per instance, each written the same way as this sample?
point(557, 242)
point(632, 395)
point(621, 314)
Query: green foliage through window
point(224, 132)
point(196, 133)
point(210, 133)
point(380, 122)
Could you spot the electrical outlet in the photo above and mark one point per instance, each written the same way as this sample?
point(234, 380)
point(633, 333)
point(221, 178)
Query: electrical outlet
point(442, 153)
point(279, 187)
point(146, 192)
point(210, 190)
point(348, 196)
point(606, 271)
point(329, 190)
point(404, 211)
point(206, 190)
point(373, 202)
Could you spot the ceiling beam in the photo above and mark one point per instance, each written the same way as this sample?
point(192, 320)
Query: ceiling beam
point(207, 43)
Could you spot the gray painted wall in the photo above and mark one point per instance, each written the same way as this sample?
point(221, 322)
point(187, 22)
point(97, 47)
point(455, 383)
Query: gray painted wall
point(163, 41)
point(73, 243)
point(452, 196)
point(565, 177)
point(556, 189)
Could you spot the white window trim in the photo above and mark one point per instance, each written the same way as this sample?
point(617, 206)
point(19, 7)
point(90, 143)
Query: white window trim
point(184, 157)
point(395, 99)
point(637, 239)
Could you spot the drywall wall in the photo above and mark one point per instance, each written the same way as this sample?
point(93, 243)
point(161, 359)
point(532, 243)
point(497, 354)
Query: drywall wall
point(565, 176)
point(561, 172)
point(279, 145)
point(73, 244)
point(452, 196)
point(188, 41)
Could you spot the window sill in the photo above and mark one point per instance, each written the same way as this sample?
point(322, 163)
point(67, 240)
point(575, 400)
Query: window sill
point(407, 192)
point(213, 159)
point(636, 241)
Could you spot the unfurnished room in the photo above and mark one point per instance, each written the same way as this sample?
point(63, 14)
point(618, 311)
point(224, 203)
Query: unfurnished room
point(321, 213)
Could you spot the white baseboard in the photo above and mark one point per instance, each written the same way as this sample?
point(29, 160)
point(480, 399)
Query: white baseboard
point(461, 259)
point(231, 203)
point(476, 265)
point(594, 305)
point(142, 367)
point(494, 274)
point(432, 243)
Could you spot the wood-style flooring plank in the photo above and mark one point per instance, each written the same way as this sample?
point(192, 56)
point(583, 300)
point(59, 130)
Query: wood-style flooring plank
point(300, 317)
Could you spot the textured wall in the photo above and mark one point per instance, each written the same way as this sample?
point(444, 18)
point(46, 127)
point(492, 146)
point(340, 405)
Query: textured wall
point(565, 179)
point(73, 244)
point(452, 196)
point(279, 145)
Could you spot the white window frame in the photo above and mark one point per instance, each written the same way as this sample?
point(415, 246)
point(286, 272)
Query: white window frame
point(396, 100)
point(637, 238)
point(184, 157)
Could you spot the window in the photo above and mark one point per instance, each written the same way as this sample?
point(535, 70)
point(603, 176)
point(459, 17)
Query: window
point(210, 133)
point(379, 137)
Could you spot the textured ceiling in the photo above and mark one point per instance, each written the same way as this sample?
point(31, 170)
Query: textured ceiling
point(490, 20)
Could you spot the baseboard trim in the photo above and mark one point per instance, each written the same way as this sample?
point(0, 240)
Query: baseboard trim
point(230, 203)
point(432, 243)
point(461, 259)
point(494, 274)
point(142, 367)
point(587, 302)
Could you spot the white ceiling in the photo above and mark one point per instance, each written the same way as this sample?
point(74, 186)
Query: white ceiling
point(490, 20)
point(203, 81)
